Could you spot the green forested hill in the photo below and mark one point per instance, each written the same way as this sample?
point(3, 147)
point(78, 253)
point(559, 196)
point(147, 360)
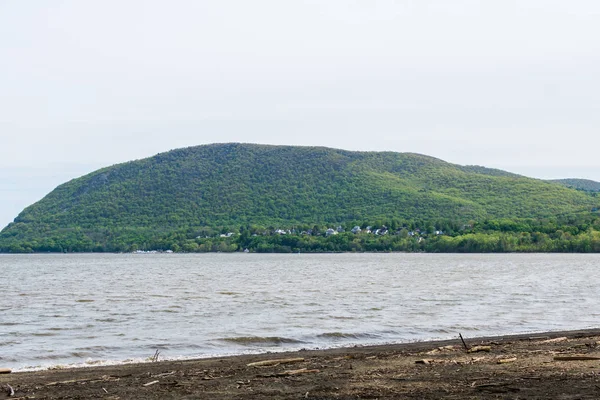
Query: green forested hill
point(225, 186)
point(585, 185)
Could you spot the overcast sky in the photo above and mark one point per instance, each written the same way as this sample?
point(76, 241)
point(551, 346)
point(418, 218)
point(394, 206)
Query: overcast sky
point(511, 84)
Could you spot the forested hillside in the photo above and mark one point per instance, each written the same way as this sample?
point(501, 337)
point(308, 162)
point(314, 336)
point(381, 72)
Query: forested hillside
point(585, 185)
point(204, 190)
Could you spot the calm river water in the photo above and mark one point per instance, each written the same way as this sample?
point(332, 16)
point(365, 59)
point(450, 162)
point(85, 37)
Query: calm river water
point(94, 309)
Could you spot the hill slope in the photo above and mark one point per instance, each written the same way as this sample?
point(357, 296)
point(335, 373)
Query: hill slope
point(585, 185)
point(228, 185)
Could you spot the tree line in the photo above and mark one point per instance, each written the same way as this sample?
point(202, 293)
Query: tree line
point(573, 233)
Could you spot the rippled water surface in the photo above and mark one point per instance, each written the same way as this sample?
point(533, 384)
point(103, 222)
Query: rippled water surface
point(86, 309)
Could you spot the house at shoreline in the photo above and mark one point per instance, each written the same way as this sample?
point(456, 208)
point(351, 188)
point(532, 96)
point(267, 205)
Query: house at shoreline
point(339, 229)
point(330, 232)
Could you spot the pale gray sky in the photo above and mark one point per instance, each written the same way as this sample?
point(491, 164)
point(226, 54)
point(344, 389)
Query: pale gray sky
point(89, 83)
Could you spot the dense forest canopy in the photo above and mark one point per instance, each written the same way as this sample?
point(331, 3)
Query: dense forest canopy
point(585, 185)
point(195, 194)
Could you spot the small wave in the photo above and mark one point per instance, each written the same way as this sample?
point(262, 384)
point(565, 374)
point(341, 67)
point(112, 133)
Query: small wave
point(9, 342)
point(182, 346)
point(41, 334)
point(229, 293)
point(84, 301)
point(49, 357)
point(81, 354)
point(99, 348)
point(440, 330)
point(345, 335)
point(439, 301)
point(252, 340)
point(460, 328)
point(337, 335)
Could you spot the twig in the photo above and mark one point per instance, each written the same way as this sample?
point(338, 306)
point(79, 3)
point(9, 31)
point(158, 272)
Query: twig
point(463, 342)
point(150, 383)
point(154, 358)
point(105, 391)
point(10, 390)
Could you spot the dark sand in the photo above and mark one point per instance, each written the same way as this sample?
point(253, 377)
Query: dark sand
point(533, 369)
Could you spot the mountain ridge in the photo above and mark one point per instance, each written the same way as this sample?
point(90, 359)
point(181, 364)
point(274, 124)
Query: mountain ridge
point(226, 185)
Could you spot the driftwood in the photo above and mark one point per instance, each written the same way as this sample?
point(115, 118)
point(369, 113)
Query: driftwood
point(290, 373)
point(268, 363)
point(476, 349)
point(538, 337)
point(440, 349)
point(576, 358)
point(555, 340)
point(212, 378)
point(5, 371)
point(164, 374)
point(150, 383)
point(104, 378)
point(507, 360)
point(71, 381)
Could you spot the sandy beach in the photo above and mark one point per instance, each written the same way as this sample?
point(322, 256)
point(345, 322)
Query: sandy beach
point(557, 365)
